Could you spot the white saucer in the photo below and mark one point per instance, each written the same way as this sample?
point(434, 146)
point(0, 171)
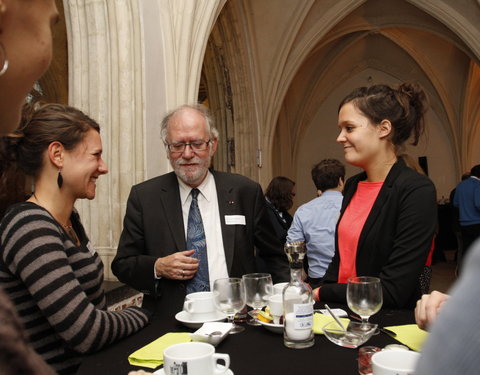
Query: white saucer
point(185, 318)
point(162, 372)
point(276, 328)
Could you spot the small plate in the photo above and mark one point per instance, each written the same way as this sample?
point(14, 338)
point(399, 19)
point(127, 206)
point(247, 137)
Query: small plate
point(202, 334)
point(183, 317)
point(162, 372)
point(276, 328)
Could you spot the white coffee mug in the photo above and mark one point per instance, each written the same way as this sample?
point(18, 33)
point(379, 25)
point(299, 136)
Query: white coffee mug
point(394, 362)
point(275, 303)
point(200, 305)
point(194, 358)
point(278, 288)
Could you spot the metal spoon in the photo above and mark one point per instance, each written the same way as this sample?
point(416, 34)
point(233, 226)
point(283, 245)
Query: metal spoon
point(214, 333)
point(336, 319)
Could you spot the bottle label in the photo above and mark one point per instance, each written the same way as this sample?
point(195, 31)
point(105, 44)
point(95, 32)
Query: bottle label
point(303, 315)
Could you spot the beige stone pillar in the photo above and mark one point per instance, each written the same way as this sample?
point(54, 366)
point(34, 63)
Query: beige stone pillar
point(106, 81)
point(130, 61)
point(175, 38)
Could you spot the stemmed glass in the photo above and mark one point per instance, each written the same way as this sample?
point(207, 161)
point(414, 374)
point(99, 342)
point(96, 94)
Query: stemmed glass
point(258, 287)
point(364, 296)
point(229, 297)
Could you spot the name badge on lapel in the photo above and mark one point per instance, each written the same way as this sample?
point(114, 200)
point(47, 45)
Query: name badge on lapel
point(235, 220)
point(91, 248)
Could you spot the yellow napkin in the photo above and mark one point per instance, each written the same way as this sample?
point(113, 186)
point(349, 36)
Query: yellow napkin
point(151, 355)
point(410, 335)
point(319, 320)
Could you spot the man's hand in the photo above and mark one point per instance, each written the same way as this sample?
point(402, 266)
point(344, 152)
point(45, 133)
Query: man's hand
point(178, 266)
point(427, 308)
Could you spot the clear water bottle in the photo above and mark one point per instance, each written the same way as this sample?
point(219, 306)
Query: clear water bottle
point(297, 302)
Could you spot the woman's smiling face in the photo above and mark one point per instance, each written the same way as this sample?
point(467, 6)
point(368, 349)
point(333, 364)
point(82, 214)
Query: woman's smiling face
point(360, 138)
point(83, 165)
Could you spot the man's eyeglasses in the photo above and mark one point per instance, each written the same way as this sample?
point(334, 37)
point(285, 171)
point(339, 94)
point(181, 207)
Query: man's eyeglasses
point(195, 146)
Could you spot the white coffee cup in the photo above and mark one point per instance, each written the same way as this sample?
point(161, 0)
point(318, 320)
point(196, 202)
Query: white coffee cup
point(278, 288)
point(394, 362)
point(200, 305)
point(194, 358)
point(275, 303)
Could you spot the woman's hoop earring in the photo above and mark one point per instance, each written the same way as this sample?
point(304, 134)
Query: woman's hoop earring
point(3, 55)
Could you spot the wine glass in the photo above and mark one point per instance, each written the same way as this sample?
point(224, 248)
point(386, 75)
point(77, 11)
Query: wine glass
point(364, 296)
point(229, 297)
point(258, 287)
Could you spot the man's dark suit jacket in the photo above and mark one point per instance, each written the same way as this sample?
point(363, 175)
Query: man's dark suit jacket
point(395, 240)
point(153, 227)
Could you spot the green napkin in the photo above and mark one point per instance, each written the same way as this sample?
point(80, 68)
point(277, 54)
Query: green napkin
point(319, 320)
point(410, 335)
point(151, 355)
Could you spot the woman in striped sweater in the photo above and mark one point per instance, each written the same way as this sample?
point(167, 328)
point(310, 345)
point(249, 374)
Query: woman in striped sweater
point(48, 266)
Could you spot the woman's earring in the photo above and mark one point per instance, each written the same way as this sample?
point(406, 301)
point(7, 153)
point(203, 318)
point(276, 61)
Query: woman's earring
point(59, 179)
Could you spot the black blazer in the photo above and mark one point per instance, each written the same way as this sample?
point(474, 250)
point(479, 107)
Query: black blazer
point(153, 227)
point(395, 240)
point(280, 225)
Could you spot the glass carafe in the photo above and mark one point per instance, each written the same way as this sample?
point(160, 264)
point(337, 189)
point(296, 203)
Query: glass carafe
point(297, 302)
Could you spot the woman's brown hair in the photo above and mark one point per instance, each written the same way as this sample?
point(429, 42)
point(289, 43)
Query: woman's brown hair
point(404, 107)
point(21, 152)
point(279, 193)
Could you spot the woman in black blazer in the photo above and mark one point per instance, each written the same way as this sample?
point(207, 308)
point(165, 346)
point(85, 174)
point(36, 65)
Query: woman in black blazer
point(388, 215)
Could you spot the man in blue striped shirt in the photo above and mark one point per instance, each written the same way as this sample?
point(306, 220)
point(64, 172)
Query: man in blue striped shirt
point(315, 221)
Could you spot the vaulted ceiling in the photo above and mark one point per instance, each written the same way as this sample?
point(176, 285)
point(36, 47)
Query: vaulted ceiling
point(288, 64)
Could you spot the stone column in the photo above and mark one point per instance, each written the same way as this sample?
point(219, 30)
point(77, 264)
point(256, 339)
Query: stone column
point(106, 81)
point(130, 61)
point(175, 38)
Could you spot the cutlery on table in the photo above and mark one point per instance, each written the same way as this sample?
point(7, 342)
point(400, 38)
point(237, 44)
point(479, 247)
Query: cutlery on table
point(381, 329)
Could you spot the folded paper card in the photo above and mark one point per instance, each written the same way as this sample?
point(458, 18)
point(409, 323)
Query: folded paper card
point(151, 355)
point(319, 320)
point(410, 335)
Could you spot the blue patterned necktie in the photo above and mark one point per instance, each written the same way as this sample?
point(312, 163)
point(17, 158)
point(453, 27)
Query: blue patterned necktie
point(196, 241)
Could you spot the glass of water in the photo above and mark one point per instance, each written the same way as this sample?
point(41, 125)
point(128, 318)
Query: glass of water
point(258, 287)
point(364, 296)
point(229, 297)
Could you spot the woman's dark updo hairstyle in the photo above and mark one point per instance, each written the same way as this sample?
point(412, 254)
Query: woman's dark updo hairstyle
point(21, 152)
point(404, 107)
point(279, 193)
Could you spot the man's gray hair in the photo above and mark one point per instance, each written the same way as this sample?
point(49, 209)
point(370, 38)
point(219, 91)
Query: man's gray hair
point(200, 108)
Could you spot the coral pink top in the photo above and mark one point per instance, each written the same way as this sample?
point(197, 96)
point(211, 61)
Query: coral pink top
point(351, 225)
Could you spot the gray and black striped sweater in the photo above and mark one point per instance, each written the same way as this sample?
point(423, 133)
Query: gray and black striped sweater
point(56, 287)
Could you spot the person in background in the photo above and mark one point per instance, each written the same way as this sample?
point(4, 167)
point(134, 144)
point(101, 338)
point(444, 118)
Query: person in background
point(454, 219)
point(389, 211)
point(315, 221)
point(187, 228)
point(48, 266)
point(452, 345)
point(25, 54)
point(16, 354)
point(279, 196)
point(467, 200)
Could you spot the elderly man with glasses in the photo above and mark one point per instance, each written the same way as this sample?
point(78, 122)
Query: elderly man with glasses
point(187, 228)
